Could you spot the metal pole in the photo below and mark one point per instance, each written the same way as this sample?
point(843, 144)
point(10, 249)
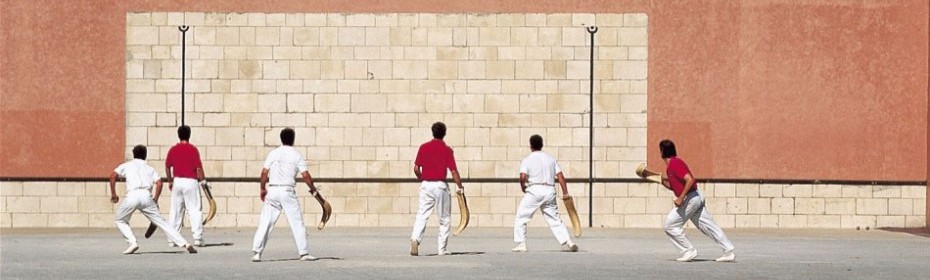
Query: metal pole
point(183, 29)
point(592, 30)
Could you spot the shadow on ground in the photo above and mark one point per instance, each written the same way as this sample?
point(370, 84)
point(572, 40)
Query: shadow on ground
point(922, 232)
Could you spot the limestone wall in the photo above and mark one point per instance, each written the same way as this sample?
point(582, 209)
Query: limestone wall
point(616, 205)
point(362, 89)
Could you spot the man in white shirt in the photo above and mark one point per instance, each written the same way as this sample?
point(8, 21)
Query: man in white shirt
point(281, 166)
point(538, 172)
point(139, 180)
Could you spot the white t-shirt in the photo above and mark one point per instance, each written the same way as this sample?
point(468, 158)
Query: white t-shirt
point(283, 164)
point(138, 174)
point(540, 169)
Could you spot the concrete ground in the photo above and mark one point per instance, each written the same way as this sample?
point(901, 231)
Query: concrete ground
point(382, 253)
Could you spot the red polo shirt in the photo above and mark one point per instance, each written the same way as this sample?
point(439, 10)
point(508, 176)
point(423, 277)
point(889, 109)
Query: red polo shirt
point(183, 160)
point(676, 170)
point(435, 157)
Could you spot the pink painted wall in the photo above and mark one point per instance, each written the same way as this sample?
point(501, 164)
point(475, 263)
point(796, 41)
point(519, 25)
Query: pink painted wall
point(749, 89)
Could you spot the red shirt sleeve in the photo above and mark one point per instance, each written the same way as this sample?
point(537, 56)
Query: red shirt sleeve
point(419, 159)
point(197, 162)
point(451, 163)
point(679, 169)
point(169, 160)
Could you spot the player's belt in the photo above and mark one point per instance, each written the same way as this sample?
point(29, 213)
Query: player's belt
point(280, 185)
point(540, 184)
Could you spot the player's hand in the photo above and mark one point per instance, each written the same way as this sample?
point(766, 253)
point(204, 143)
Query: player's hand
point(114, 199)
point(523, 188)
point(170, 184)
point(203, 183)
point(263, 193)
point(678, 201)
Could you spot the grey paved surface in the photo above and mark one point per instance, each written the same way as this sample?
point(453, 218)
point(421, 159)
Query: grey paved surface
point(382, 253)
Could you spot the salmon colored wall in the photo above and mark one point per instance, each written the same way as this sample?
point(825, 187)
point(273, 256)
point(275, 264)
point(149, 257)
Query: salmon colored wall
point(823, 89)
point(773, 89)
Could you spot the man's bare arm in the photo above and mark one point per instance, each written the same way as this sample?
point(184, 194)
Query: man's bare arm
point(157, 190)
point(170, 177)
point(113, 197)
point(261, 182)
point(417, 171)
point(200, 176)
point(309, 181)
point(562, 183)
point(523, 178)
point(457, 179)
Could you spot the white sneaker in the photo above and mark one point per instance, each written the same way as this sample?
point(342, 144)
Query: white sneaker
point(444, 252)
point(198, 242)
point(171, 244)
point(520, 247)
point(308, 257)
point(257, 257)
point(728, 256)
point(190, 248)
point(573, 247)
point(687, 256)
point(414, 248)
point(133, 247)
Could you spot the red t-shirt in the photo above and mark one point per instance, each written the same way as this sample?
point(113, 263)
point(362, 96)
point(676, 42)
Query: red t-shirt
point(183, 160)
point(435, 157)
point(676, 171)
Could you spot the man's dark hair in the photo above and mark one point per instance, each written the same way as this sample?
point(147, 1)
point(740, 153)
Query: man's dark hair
point(667, 147)
point(536, 142)
point(287, 136)
point(439, 130)
point(139, 152)
point(184, 133)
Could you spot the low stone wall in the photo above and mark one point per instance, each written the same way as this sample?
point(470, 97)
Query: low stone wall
point(616, 205)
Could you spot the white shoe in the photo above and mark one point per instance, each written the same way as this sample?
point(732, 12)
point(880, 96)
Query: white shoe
point(198, 242)
point(520, 247)
point(190, 248)
point(171, 244)
point(308, 257)
point(414, 248)
point(573, 247)
point(728, 256)
point(687, 256)
point(257, 257)
point(444, 252)
point(133, 247)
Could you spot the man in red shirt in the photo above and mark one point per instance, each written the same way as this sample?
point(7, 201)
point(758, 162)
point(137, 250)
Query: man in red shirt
point(689, 205)
point(433, 159)
point(184, 170)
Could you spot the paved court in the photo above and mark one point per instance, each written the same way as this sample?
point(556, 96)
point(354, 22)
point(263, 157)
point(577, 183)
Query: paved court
point(382, 253)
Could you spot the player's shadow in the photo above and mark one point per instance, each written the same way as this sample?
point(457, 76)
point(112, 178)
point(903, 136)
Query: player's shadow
point(457, 254)
point(298, 259)
point(160, 252)
point(218, 244)
point(922, 232)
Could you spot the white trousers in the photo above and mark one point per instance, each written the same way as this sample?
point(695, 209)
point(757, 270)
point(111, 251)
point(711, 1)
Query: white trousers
point(142, 200)
point(543, 198)
point(278, 199)
point(693, 209)
point(433, 194)
point(185, 195)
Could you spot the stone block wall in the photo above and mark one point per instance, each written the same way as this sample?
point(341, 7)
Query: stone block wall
point(362, 89)
point(616, 205)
